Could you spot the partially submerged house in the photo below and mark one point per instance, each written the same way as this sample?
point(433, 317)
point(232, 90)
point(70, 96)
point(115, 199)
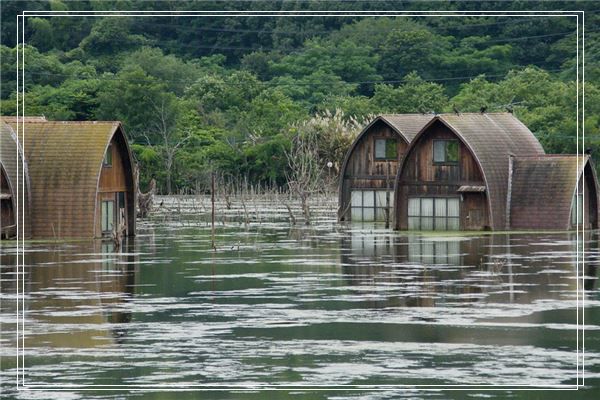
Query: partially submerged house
point(14, 194)
point(487, 171)
point(552, 192)
point(370, 166)
point(81, 178)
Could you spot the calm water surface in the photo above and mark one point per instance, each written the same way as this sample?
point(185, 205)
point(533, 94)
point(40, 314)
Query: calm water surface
point(321, 305)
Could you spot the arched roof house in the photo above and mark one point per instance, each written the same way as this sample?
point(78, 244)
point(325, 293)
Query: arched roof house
point(15, 185)
point(81, 178)
point(455, 173)
point(368, 171)
point(554, 192)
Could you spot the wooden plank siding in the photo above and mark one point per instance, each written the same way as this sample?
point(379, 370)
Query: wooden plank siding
point(65, 161)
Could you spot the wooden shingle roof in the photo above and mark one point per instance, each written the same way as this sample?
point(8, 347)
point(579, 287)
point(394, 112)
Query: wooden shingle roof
point(65, 161)
point(11, 157)
point(492, 137)
point(542, 190)
point(407, 125)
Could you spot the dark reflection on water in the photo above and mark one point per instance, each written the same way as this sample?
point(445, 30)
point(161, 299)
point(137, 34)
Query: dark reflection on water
point(327, 305)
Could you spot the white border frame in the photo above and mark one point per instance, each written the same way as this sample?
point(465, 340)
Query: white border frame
point(20, 379)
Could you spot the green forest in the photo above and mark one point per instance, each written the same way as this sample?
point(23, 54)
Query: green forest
point(230, 94)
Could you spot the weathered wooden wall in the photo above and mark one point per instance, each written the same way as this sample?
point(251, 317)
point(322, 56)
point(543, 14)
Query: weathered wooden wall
point(116, 178)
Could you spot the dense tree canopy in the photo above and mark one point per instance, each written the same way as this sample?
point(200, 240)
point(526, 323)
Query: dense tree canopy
point(229, 94)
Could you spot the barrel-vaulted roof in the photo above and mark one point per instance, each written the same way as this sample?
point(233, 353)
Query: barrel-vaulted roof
point(407, 125)
point(491, 137)
point(11, 157)
point(542, 190)
point(65, 161)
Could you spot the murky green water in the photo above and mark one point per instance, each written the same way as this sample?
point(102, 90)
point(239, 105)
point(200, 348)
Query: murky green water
point(325, 305)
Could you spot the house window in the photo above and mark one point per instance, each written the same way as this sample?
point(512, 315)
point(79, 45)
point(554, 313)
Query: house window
point(108, 215)
point(386, 149)
point(108, 156)
point(445, 151)
point(577, 210)
point(370, 205)
point(434, 213)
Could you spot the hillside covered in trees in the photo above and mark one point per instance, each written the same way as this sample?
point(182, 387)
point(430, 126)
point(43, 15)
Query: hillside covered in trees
point(230, 94)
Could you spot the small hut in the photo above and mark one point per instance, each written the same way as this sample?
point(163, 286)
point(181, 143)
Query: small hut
point(487, 171)
point(81, 178)
point(370, 166)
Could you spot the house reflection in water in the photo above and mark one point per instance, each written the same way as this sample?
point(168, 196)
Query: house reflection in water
point(75, 295)
point(429, 271)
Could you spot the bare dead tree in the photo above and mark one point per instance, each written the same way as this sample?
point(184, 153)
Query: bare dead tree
point(171, 138)
point(305, 175)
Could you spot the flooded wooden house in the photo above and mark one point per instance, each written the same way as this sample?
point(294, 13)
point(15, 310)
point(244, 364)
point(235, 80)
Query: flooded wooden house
point(14, 184)
point(81, 178)
point(482, 171)
point(369, 168)
point(554, 191)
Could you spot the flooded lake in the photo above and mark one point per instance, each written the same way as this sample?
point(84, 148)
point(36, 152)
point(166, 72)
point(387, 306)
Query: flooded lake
point(302, 306)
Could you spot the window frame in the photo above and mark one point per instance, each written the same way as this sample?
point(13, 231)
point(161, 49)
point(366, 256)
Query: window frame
point(103, 215)
point(376, 207)
point(435, 219)
point(385, 148)
point(445, 161)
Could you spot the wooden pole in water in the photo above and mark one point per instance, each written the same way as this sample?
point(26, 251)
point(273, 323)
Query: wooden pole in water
point(212, 201)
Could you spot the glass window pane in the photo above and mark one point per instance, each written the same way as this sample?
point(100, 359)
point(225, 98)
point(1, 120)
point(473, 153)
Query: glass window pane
point(439, 151)
point(368, 214)
point(413, 223)
point(391, 148)
point(453, 207)
point(440, 223)
point(110, 214)
point(368, 198)
point(379, 148)
point(356, 213)
point(440, 207)
point(103, 217)
point(356, 198)
point(414, 207)
point(452, 150)
point(427, 223)
point(427, 207)
point(380, 213)
point(453, 224)
point(381, 198)
point(108, 155)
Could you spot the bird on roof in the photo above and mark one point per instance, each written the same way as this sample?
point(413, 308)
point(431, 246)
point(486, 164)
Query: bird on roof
point(588, 150)
point(509, 108)
point(456, 111)
point(483, 109)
